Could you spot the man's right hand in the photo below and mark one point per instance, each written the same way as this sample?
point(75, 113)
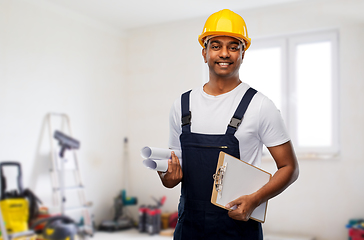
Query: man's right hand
point(174, 174)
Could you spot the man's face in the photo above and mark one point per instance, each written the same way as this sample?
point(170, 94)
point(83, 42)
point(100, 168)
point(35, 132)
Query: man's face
point(224, 55)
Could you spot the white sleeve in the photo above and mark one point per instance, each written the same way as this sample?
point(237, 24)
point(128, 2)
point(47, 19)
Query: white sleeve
point(272, 130)
point(175, 129)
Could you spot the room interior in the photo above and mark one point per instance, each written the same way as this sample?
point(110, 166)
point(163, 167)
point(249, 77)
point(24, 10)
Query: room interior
point(116, 67)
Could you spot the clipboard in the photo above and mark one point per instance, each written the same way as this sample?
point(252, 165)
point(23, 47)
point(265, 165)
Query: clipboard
point(234, 178)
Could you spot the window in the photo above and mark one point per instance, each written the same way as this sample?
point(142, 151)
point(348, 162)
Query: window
point(300, 74)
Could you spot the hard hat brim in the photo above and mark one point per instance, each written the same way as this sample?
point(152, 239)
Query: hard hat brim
point(218, 33)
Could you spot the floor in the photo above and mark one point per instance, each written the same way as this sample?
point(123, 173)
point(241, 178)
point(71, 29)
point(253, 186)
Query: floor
point(135, 235)
point(128, 234)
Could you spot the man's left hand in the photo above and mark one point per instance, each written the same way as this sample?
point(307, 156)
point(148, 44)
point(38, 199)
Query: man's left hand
point(245, 206)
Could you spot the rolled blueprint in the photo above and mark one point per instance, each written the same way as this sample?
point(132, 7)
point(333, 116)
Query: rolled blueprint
point(158, 165)
point(159, 153)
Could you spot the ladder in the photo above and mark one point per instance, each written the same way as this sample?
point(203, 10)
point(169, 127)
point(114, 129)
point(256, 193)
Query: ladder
point(58, 171)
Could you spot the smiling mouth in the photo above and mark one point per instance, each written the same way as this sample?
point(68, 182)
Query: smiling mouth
point(223, 64)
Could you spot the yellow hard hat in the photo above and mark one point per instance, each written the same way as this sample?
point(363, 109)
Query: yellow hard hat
point(227, 23)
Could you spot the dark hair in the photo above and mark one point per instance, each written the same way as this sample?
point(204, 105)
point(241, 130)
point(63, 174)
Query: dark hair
point(242, 43)
point(205, 43)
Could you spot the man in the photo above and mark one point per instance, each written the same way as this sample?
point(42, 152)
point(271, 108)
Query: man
point(216, 117)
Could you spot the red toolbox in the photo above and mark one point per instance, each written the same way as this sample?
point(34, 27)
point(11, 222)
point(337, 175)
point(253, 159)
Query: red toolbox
point(356, 234)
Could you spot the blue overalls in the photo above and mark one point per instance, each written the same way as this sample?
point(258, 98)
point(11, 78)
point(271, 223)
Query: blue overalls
point(198, 218)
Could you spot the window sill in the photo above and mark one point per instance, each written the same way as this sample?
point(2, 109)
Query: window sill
point(308, 156)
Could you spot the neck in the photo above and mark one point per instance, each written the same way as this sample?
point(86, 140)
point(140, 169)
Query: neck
point(218, 86)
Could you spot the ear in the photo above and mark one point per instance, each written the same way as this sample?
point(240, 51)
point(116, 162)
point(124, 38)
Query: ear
point(242, 56)
point(204, 54)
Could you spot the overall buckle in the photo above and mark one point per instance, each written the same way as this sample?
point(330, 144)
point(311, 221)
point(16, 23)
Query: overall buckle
point(235, 122)
point(186, 119)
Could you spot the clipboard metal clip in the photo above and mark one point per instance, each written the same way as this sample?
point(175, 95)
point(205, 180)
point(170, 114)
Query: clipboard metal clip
point(218, 177)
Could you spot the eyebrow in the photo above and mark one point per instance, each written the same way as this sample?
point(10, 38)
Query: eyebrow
point(231, 42)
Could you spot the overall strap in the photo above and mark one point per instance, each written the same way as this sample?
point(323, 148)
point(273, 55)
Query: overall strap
point(240, 111)
point(185, 112)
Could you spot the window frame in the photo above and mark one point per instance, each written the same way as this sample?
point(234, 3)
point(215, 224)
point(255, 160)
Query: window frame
point(316, 37)
point(288, 44)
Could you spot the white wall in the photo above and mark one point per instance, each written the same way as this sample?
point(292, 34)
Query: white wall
point(54, 61)
point(166, 60)
point(113, 86)
point(163, 61)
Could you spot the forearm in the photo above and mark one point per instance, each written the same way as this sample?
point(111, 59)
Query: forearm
point(246, 204)
point(286, 174)
point(284, 177)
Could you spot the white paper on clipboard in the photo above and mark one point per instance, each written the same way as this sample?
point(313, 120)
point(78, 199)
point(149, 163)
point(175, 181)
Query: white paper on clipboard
point(235, 178)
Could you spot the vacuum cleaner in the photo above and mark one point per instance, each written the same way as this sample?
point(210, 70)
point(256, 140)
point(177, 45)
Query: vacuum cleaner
point(121, 220)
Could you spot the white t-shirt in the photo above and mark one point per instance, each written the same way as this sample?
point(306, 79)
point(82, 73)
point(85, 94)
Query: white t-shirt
point(262, 122)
